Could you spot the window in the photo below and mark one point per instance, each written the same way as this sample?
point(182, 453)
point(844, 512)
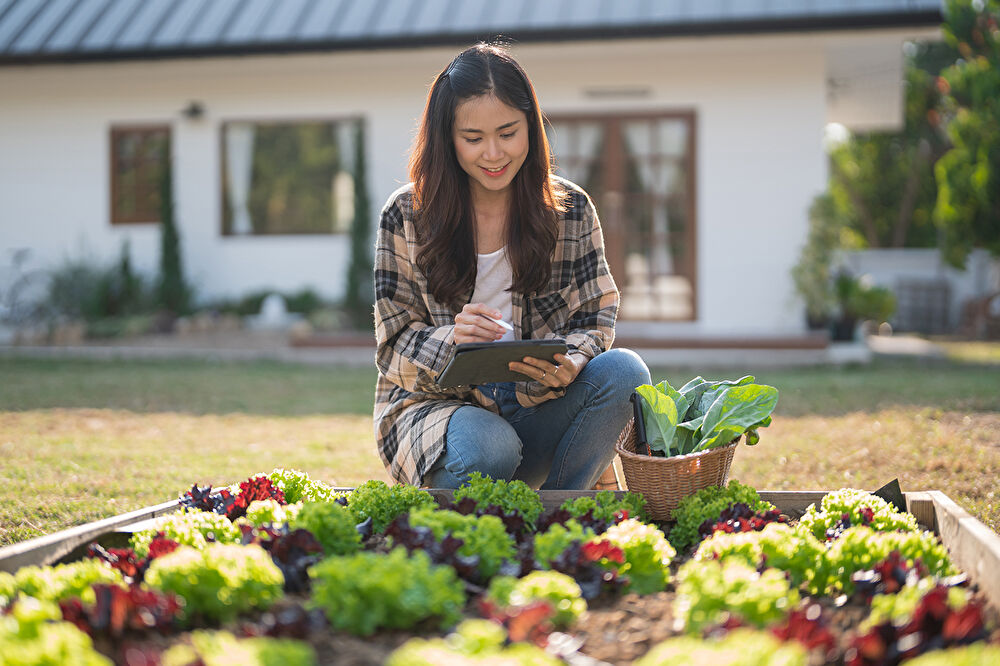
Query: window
point(288, 177)
point(138, 157)
point(639, 168)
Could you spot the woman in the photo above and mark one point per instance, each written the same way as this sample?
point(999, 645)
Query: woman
point(486, 232)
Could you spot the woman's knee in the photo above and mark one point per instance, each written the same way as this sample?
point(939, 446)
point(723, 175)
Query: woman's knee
point(480, 441)
point(621, 370)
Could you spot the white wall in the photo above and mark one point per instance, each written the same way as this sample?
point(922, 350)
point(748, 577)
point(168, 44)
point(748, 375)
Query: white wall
point(760, 106)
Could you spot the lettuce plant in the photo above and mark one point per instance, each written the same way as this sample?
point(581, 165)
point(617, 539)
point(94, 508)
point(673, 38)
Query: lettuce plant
point(740, 647)
point(847, 507)
point(366, 591)
point(647, 555)
point(605, 506)
point(332, 524)
point(708, 504)
point(483, 536)
point(298, 487)
point(268, 512)
point(472, 642)
point(219, 582)
point(704, 414)
point(516, 496)
point(65, 581)
point(709, 592)
point(222, 648)
point(976, 654)
point(30, 635)
point(188, 528)
point(557, 589)
point(551, 543)
point(382, 503)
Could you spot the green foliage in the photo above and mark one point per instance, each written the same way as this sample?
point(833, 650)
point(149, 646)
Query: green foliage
point(708, 503)
point(857, 300)
point(382, 503)
point(219, 582)
point(269, 511)
point(8, 588)
point(898, 608)
point(222, 648)
point(976, 654)
point(366, 591)
point(189, 528)
point(557, 589)
point(740, 647)
point(968, 175)
point(604, 505)
point(704, 414)
point(173, 294)
point(647, 555)
point(333, 525)
point(709, 591)
point(473, 642)
point(32, 635)
point(359, 298)
point(860, 548)
point(485, 536)
point(851, 501)
point(298, 487)
point(552, 542)
point(510, 496)
point(64, 581)
point(813, 274)
point(81, 289)
point(793, 550)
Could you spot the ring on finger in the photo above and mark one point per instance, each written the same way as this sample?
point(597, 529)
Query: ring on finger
point(543, 374)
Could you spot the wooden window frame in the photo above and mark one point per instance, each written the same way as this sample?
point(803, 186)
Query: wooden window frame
point(117, 131)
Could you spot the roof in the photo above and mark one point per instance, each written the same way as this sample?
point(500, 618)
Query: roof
point(38, 31)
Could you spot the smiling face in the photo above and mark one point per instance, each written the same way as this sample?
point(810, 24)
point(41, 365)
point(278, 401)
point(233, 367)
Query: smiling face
point(491, 144)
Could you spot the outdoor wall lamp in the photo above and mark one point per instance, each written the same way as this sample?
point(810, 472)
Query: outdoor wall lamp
point(193, 111)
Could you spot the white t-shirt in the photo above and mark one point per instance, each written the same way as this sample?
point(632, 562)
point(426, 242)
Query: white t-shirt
point(493, 278)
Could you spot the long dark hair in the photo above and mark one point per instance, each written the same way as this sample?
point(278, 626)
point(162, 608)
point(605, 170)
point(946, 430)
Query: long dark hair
point(443, 203)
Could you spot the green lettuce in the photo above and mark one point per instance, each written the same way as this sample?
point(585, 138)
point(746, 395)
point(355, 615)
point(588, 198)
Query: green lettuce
point(704, 414)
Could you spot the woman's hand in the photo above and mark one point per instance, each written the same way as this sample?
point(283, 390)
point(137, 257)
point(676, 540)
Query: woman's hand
point(472, 324)
point(549, 374)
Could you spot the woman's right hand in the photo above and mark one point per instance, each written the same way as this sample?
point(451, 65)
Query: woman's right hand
point(472, 325)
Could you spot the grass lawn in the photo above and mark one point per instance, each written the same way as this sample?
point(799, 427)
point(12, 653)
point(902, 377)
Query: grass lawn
point(82, 440)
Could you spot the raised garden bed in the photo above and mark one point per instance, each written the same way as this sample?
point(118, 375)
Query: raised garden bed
point(617, 629)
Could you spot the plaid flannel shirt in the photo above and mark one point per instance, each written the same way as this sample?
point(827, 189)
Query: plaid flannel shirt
point(415, 334)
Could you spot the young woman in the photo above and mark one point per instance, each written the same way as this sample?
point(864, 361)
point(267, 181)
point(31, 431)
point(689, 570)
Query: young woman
point(486, 231)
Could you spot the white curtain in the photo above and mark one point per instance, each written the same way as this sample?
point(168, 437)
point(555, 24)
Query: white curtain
point(573, 157)
point(239, 166)
point(658, 178)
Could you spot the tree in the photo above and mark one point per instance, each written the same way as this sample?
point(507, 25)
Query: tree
point(881, 184)
point(968, 175)
point(172, 292)
point(359, 298)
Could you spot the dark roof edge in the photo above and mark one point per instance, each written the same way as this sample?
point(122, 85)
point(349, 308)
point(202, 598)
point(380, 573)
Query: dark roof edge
point(706, 29)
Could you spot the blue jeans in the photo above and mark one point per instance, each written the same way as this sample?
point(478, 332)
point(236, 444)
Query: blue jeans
point(563, 443)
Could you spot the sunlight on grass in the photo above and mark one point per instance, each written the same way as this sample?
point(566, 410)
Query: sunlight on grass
point(972, 352)
point(60, 467)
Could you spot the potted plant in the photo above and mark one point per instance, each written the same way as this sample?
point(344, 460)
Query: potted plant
point(857, 301)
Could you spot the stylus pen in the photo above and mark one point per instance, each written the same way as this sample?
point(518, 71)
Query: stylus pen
point(501, 322)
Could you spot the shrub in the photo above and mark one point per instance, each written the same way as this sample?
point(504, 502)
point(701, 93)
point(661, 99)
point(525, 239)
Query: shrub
point(382, 503)
point(847, 507)
point(861, 548)
point(473, 642)
point(221, 648)
point(65, 581)
point(366, 591)
point(197, 529)
point(298, 487)
point(709, 592)
point(30, 635)
point(708, 504)
point(484, 536)
point(220, 581)
point(604, 506)
point(516, 496)
point(647, 555)
point(741, 647)
point(552, 542)
point(332, 525)
point(557, 589)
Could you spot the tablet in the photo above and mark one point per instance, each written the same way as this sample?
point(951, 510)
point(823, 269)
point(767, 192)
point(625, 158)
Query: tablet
point(486, 362)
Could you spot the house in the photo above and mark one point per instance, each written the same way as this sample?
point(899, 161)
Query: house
point(696, 125)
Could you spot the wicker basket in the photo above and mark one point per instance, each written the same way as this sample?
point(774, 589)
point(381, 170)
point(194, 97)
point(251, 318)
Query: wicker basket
point(664, 482)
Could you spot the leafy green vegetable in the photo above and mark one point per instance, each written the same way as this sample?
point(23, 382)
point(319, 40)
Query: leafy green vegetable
point(647, 555)
point(557, 589)
point(704, 414)
point(298, 487)
point(366, 591)
point(976, 654)
point(898, 608)
point(382, 503)
point(709, 591)
point(65, 581)
point(188, 528)
point(604, 505)
point(707, 504)
point(222, 648)
point(220, 581)
point(473, 642)
point(740, 647)
point(551, 543)
point(484, 536)
point(333, 525)
point(269, 511)
point(508, 495)
point(32, 635)
point(860, 508)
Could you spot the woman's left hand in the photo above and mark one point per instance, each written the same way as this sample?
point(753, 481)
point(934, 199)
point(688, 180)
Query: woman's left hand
point(561, 373)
